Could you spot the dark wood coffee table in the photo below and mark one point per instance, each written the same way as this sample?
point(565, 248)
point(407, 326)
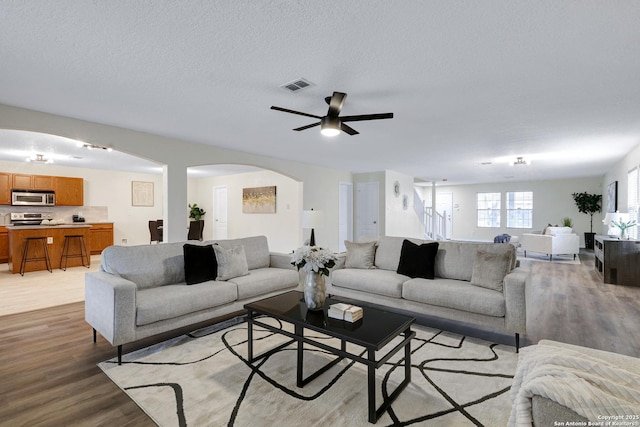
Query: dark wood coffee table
point(374, 331)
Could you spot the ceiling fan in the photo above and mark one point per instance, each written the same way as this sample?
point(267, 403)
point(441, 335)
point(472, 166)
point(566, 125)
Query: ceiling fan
point(332, 123)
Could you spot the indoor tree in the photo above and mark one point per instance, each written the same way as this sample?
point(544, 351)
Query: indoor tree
point(589, 204)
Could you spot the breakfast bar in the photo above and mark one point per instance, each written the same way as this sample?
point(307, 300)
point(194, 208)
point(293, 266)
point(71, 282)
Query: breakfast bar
point(55, 237)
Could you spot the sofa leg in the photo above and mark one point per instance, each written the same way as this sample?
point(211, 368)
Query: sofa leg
point(574, 257)
point(95, 338)
point(517, 343)
point(120, 355)
point(525, 254)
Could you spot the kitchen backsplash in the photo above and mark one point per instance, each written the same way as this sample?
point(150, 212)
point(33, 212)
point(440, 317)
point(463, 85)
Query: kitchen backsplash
point(65, 213)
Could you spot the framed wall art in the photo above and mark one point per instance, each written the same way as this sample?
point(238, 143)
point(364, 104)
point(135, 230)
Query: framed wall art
point(259, 200)
point(141, 193)
point(612, 197)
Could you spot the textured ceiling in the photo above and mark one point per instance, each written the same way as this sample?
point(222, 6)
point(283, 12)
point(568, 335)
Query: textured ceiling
point(468, 81)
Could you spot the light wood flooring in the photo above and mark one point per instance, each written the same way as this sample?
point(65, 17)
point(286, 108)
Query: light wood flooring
point(49, 377)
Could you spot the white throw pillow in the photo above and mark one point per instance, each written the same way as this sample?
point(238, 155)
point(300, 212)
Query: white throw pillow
point(360, 255)
point(231, 262)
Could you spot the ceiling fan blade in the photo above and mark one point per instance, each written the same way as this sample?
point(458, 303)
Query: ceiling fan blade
point(286, 110)
point(362, 117)
point(348, 129)
point(308, 126)
point(335, 104)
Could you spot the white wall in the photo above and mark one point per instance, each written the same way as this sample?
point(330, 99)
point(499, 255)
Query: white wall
point(619, 173)
point(104, 188)
point(283, 228)
point(398, 220)
point(552, 201)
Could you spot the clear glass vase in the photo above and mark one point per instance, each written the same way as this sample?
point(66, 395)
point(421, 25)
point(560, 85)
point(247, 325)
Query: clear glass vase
point(315, 291)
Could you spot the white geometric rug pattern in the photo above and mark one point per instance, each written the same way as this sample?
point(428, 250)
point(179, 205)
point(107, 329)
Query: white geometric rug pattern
point(204, 379)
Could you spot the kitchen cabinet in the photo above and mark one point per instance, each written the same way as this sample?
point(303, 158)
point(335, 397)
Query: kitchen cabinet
point(20, 181)
point(32, 182)
point(69, 191)
point(5, 188)
point(4, 245)
point(41, 182)
point(55, 236)
point(101, 236)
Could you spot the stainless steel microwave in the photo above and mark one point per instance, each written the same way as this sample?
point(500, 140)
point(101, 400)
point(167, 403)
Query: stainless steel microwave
point(33, 198)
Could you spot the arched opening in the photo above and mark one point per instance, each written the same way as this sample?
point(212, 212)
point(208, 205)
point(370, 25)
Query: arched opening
point(218, 189)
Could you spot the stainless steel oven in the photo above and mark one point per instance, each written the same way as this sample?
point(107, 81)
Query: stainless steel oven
point(33, 198)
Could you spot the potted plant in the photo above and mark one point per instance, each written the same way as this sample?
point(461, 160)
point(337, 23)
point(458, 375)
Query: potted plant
point(197, 225)
point(589, 204)
point(316, 262)
point(196, 212)
point(567, 222)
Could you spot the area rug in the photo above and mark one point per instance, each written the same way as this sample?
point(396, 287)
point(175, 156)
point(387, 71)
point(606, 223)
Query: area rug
point(203, 379)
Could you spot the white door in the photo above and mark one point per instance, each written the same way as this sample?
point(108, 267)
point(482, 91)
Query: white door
point(220, 213)
point(345, 220)
point(367, 227)
point(444, 205)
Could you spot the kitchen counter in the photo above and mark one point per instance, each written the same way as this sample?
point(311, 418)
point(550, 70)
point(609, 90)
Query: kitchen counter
point(42, 227)
point(55, 236)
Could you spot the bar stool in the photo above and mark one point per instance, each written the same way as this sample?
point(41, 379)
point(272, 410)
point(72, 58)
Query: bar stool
point(65, 250)
point(25, 259)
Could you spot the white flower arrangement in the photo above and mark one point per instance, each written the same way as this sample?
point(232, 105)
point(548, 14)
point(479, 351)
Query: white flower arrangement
point(313, 258)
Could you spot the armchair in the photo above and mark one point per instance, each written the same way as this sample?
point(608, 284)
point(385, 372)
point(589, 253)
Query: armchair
point(554, 241)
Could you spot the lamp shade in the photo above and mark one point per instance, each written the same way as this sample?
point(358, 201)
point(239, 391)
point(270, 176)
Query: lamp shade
point(311, 219)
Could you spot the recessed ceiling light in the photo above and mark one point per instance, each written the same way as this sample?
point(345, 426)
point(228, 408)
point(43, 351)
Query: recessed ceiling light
point(486, 163)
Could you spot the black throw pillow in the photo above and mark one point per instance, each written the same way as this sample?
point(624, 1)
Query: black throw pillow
point(418, 260)
point(200, 263)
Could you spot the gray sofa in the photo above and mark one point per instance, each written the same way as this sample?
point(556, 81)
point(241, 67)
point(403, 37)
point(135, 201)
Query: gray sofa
point(140, 291)
point(450, 295)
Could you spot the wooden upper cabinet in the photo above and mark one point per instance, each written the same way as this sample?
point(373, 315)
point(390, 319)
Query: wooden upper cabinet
point(41, 182)
point(5, 188)
point(32, 182)
point(69, 191)
point(21, 182)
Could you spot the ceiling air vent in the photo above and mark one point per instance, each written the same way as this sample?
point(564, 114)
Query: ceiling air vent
point(296, 85)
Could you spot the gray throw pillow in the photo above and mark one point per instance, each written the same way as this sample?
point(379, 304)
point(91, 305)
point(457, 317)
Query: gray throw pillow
point(489, 269)
point(360, 255)
point(231, 262)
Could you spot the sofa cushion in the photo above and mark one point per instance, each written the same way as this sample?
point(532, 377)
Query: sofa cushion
point(264, 280)
point(489, 269)
point(455, 259)
point(418, 260)
point(256, 249)
point(231, 262)
point(360, 255)
point(200, 263)
point(388, 251)
point(456, 294)
point(168, 302)
point(377, 281)
point(146, 265)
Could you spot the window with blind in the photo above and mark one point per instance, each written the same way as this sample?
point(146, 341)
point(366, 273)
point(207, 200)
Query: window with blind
point(519, 209)
point(489, 210)
point(633, 200)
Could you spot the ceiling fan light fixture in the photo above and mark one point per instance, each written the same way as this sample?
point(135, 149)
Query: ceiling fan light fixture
point(330, 126)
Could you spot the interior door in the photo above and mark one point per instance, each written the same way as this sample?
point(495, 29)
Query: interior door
point(345, 221)
point(220, 213)
point(444, 205)
point(367, 217)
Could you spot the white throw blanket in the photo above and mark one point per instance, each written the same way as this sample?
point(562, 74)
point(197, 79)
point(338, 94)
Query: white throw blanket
point(591, 387)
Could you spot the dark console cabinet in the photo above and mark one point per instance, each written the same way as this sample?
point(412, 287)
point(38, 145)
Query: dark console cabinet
point(618, 260)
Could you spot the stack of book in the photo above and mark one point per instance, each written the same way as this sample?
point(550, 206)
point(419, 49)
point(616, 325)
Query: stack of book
point(342, 311)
